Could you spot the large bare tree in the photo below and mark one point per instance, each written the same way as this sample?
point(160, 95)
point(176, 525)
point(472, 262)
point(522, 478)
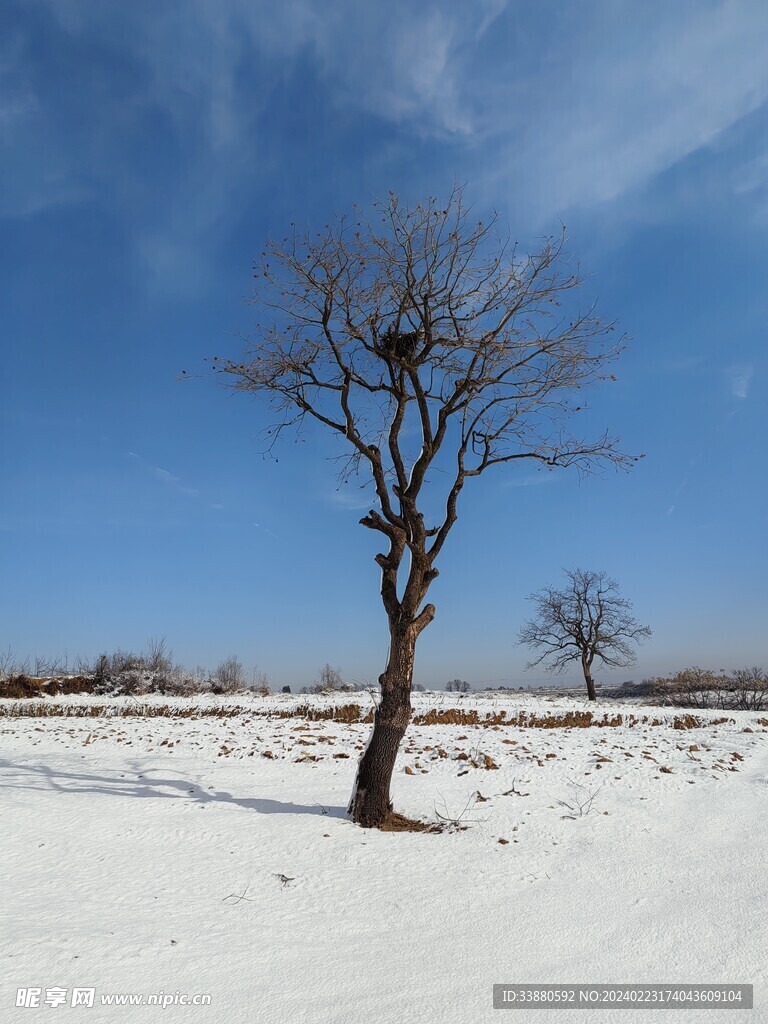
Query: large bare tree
point(416, 322)
point(588, 619)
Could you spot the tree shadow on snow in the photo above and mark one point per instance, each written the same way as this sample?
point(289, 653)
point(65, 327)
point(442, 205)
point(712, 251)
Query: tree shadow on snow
point(144, 784)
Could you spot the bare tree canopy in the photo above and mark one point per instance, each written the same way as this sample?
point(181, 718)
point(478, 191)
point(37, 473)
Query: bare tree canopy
point(423, 340)
point(588, 619)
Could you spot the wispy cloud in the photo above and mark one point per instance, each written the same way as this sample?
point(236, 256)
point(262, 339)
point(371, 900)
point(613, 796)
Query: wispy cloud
point(353, 500)
point(690, 471)
point(740, 378)
point(629, 91)
point(164, 476)
point(542, 112)
point(752, 176)
point(266, 530)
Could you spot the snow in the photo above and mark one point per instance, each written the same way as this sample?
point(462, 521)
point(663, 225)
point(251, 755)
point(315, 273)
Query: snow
point(169, 853)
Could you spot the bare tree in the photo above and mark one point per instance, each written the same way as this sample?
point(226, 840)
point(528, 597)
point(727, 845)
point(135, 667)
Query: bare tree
point(588, 619)
point(457, 686)
point(230, 675)
point(159, 658)
point(416, 323)
point(330, 679)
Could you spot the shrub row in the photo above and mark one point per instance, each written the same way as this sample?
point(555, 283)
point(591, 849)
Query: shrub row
point(744, 689)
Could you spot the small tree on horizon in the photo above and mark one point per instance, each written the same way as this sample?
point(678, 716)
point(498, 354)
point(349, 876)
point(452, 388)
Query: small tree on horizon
point(434, 352)
point(230, 675)
point(329, 679)
point(457, 686)
point(586, 620)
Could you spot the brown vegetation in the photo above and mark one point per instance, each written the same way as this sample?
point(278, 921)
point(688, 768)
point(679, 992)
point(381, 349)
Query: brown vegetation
point(353, 714)
point(22, 686)
point(744, 689)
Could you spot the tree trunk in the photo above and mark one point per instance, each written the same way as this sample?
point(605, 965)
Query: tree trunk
point(371, 804)
point(590, 681)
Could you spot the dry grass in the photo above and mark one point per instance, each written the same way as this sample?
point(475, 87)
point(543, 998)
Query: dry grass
point(37, 709)
point(395, 822)
point(21, 686)
point(25, 687)
point(345, 713)
point(571, 720)
point(352, 714)
point(692, 722)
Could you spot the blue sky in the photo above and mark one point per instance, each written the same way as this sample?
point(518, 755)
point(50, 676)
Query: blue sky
point(147, 151)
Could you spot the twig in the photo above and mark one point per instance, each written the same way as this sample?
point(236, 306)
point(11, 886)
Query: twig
point(239, 897)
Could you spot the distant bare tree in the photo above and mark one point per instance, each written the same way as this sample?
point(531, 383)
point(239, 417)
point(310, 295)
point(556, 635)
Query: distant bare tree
point(457, 686)
point(159, 658)
point(230, 675)
point(588, 619)
point(425, 343)
point(259, 682)
point(330, 679)
point(7, 663)
point(750, 688)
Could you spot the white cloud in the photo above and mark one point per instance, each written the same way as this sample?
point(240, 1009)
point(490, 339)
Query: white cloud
point(407, 63)
point(752, 176)
point(545, 107)
point(353, 500)
point(740, 379)
point(633, 90)
point(264, 529)
point(163, 475)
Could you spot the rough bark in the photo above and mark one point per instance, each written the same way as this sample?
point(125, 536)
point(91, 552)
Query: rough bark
point(371, 804)
point(590, 686)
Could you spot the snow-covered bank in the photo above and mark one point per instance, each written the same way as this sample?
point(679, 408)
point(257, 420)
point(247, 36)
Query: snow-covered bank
point(487, 703)
point(213, 856)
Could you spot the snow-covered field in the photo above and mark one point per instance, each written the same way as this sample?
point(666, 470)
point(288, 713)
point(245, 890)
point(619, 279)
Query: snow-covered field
point(210, 855)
